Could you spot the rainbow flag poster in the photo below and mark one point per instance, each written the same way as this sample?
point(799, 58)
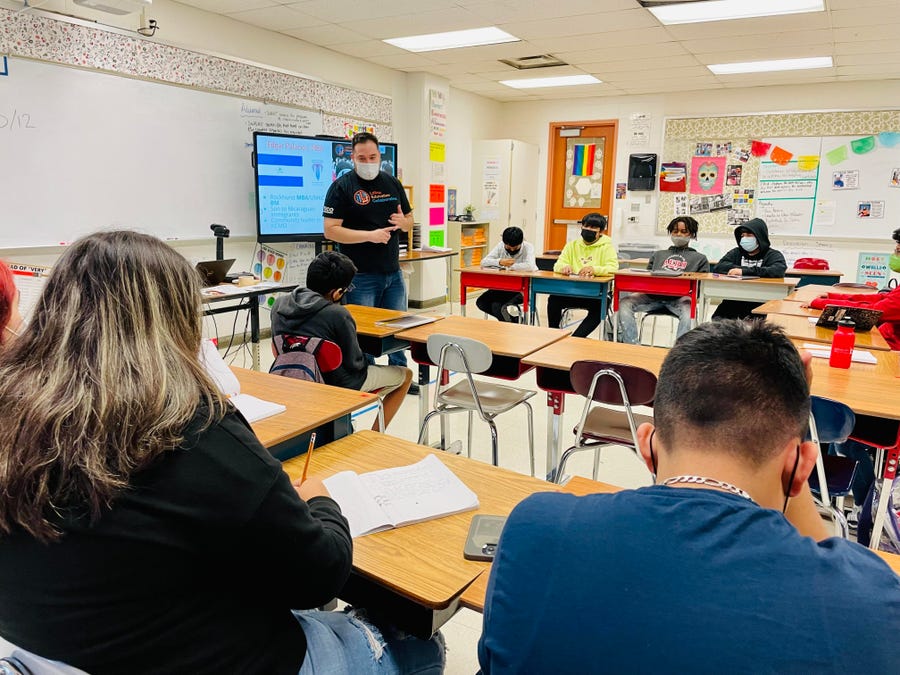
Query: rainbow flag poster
point(583, 160)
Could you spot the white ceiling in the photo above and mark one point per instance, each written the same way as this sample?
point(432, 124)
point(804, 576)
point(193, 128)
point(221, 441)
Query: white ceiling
point(616, 40)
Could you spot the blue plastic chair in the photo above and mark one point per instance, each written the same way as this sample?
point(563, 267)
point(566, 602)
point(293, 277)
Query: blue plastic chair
point(831, 422)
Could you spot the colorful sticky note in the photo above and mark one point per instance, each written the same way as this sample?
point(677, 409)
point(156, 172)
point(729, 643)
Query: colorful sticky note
point(863, 145)
point(836, 156)
point(759, 149)
point(436, 238)
point(436, 152)
point(436, 215)
point(436, 194)
point(889, 139)
point(583, 159)
point(808, 162)
point(781, 156)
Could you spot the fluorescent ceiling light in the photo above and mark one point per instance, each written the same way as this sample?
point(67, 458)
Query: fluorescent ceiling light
point(769, 66)
point(475, 37)
point(724, 10)
point(561, 81)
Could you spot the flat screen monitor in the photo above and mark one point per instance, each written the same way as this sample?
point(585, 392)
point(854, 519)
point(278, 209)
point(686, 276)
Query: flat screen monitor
point(293, 174)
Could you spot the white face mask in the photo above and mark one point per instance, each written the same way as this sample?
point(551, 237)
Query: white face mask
point(367, 171)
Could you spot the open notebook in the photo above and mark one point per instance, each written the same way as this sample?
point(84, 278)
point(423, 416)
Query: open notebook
point(381, 500)
point(253, 409)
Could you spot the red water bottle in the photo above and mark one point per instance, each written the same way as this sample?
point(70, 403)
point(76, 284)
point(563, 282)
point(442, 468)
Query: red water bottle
point(842, 344)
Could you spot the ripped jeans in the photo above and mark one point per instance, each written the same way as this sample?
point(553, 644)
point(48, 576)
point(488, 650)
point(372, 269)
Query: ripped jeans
point(339, 643)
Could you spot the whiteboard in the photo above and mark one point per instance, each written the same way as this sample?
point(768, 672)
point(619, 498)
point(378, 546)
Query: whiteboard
point(83, 150)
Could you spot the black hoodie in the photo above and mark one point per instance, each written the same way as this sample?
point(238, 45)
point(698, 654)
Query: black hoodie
point(766, 262)
point(305, 312)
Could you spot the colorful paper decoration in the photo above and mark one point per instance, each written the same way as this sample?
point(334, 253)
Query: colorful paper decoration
point(707, 175)
point(808, 162)
point(863, 145)
point(889, 139)
point(583, 160)
point(672, 177)
point(759, 149)
point(435, 193)
point(836, 156)
point(781, 156)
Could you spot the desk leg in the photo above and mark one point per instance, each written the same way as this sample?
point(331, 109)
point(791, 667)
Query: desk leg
point(462, 299)
point(887, 483)
point(556, 405)
point(603, 309)
point(449, 294)
point(424, 377)
point(254, 331)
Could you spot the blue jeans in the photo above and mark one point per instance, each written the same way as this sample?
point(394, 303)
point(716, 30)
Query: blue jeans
point(339, 643)
point(641, 302)
point(381, 290)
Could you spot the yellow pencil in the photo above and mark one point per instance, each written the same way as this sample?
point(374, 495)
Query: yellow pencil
point(312, 442)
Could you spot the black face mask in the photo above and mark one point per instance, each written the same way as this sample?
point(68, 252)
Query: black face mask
point(513, 252)
point(589, 236)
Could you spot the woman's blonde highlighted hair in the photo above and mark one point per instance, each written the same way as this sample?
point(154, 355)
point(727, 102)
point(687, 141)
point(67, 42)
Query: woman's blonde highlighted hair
point(104, 379)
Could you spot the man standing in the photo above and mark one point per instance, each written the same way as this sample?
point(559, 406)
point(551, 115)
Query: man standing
point(711, 570)
point(365, 212)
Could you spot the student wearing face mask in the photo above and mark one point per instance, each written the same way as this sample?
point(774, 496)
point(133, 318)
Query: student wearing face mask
point(887, 302)
point(365, 211)
point(752, 257)
point(512, 253)
point(679, 257)
point(591, 255)
point(10, 320)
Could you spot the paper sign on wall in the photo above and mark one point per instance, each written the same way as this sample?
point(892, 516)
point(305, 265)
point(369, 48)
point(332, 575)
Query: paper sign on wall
point(436, 152)
point(436, 193)
point(707, 175)
point(435, 237)
point(873, 269)
point(436, 215)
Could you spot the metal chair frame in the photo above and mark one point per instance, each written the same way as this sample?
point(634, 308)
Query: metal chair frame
point(828, 504)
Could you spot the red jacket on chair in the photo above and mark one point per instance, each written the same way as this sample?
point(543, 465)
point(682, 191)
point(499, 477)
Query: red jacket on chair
point(888, 303)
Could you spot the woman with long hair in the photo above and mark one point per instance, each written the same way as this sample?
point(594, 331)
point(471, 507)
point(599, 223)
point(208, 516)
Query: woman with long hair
point(9, 305)
point(143, 527)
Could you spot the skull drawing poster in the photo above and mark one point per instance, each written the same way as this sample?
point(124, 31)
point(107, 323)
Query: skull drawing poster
point(707, 175)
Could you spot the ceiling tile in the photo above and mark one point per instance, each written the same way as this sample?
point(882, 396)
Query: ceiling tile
point(228, 6)
point(278, 18)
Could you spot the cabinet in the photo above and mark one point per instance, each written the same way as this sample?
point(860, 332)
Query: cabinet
point(473, 241)
point(504, 185)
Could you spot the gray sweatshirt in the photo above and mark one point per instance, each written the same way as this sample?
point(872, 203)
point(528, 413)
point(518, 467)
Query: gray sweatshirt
point(524, 257)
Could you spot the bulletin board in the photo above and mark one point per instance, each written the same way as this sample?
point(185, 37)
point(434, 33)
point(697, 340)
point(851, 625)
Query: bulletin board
point(816, 175)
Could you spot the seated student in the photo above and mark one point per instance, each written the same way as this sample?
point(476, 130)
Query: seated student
point(316, 311)
point(513, 253)
point(753, 256)
point(10, 319)
point(591, 255)
point(143, 527)
point(679, 257)
point(888, 302)
point(702, 572)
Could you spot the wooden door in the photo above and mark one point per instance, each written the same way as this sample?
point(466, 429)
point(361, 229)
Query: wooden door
point(580, 176)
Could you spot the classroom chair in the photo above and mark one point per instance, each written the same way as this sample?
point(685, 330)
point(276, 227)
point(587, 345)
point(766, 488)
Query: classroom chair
point(614, 388)
point(653, 315)
point(21, 662)
point(884, 437)
point(831, 422)
point(488, 399)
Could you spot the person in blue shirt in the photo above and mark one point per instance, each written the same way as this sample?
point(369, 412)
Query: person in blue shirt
point(722, 566)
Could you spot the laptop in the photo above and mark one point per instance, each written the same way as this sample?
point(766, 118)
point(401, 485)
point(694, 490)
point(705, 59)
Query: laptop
point(865, 319)
point(213, 272)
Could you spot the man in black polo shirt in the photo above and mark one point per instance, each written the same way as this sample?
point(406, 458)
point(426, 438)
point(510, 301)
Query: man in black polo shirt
point(365, 211)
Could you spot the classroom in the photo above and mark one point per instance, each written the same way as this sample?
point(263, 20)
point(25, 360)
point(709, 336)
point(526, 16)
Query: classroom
point(164, 117)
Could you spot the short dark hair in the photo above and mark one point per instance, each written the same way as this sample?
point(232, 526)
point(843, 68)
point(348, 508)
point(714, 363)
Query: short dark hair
point(363, 137)
point(329, 271)
point(594, 220)
point(690, 223)
point(740, 384)
point(513, 236)
point(896, 235)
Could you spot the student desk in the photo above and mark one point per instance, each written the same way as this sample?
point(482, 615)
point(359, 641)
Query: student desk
point(723, 287)
point(788, 307)
point(807, 277)
point(812, 291)
point(248, 298)
point(509, 343)
point(800, 328)
point(554, 362)
point(634, 281)
point(416, 573)
point(574, 286)
point(310, 407)
point(497, 279)
point(374, 339)
point(417, 256)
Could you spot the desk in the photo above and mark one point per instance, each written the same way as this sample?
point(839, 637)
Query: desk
point(721, 287)
point(812, 291)
point(800, 328)
point(493, 279)
point(508, 342)
point(417, 573)
point(374, 339)
point(417, 256)
point(631, 281)
point(788, 307)
point(575, 286)
point(554, 362)
point(251, 294)
point(310, 407)
point(807, 277)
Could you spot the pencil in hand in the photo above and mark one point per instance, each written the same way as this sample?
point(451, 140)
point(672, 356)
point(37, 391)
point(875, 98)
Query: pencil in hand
point(309, 451)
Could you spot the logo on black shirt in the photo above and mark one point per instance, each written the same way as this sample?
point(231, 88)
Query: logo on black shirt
point(361, 197)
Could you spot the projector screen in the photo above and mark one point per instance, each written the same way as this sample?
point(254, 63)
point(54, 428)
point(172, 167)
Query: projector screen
point(293, 174)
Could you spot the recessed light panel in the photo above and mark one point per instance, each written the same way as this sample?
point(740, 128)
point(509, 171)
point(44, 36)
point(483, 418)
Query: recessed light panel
point(562, 81)
point(725, 10)
point(432, 42)
point(771, 66)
